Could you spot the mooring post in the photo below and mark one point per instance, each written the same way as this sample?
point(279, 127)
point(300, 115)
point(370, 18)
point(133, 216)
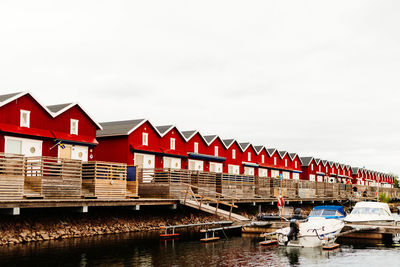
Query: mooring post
point(12, 211)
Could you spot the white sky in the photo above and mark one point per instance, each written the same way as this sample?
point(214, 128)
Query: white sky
point(320, 78)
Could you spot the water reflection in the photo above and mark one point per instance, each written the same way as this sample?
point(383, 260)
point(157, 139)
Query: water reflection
point(146, 249)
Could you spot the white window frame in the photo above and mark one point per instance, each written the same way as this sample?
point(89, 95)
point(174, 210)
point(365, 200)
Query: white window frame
point(295, 164)
point(262, 158)
point(248, 156)
point(145, 139)
point(72, 122)
point(28, 116)
point(172, 143)
point(196, 147)
point(233, 153)
point(216, 151)
point(275, 161)
point(285, 162)
point(312, 166)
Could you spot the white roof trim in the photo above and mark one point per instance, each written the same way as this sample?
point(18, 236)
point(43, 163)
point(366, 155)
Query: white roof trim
point(227, 147)
point(216, 136)
point(195, 132)
point(169, 129)
point(55, 114)
point(140, 124)
point(21, 95)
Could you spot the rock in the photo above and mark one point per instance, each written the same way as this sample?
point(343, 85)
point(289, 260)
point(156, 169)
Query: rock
point(45, 236)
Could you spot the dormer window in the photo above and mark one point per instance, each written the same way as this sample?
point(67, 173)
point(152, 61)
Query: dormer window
point(216, 151)
point(25, 118)
point(172, 144)
point(145, 139)
point(74, 127)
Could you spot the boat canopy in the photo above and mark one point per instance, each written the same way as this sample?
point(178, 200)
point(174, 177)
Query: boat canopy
point(328, 212)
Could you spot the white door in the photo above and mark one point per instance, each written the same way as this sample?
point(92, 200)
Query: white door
point(274, 173)
point(146, 163)
point(80, 152)
point(171, 163)
point(312, 177)
point(215, 167)
point(320, 178)
point(233, 169)
point(249, 171)
point(286, 175)
point(24, 146)
point(296, 176)
point(262, 172)
point(196, 165)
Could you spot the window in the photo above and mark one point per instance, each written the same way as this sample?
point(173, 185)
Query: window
point(13, 146)
point(248, 156)
point(216, 151)
point(312, 166)
point(274, 160)
point(295, 164)
point(196, 147)
point(145, 139)
point(319, 168)
point(326, 168)
point(285, 162)
point(233, 154)
point(74, 127)
point(262, 158)
point(172, 144)
point(25, 118)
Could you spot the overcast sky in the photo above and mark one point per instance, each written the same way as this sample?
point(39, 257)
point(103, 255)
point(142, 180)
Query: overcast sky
point(320, 78)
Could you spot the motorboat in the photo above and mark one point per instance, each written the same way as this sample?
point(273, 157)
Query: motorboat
point(371, 212)
point(323, 224)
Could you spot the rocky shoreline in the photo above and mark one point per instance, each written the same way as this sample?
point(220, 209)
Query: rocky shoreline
point(40, 225)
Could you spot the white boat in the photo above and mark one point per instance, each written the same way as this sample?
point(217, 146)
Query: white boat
point(371, 212)
point(324, 223)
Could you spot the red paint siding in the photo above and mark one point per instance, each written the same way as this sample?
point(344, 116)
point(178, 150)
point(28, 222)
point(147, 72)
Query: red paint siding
point(113, 149)
point(62, 122)
point(233, 161)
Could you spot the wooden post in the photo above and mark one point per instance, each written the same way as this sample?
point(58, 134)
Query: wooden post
point(187, 191)
point(216, 207)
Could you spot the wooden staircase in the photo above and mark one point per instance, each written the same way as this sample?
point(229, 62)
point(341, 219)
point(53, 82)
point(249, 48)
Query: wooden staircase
point(202, 202)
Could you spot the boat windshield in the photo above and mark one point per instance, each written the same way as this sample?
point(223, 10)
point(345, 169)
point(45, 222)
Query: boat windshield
point(325, 212)
point(375, 211)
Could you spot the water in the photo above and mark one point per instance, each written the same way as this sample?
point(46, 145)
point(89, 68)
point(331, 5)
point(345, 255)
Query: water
point(146, 249)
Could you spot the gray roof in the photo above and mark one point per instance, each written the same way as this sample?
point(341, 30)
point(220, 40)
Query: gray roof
point(292, 155)
point(244, 145)
point(305, 161)
point(188, 134)
point(271, 150)
point(228, 142)
point(258, 148)
point(57, 108)
point(8, 96)
point(282, 153)
point(116, 128)
point(324, 162)
point(354, 170)
point(162, 129)
point(209, 138)
point(317, 161)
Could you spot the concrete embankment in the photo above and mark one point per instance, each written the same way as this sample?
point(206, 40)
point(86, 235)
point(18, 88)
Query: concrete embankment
point(49, 224)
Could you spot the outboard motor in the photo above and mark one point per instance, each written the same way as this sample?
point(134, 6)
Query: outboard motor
point(294, 231)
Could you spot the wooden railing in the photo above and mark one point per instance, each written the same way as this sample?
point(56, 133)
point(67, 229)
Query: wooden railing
point(202, 197)
point(242, 186)
point(53, 177)
point(11, 176)
point(104, 179)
